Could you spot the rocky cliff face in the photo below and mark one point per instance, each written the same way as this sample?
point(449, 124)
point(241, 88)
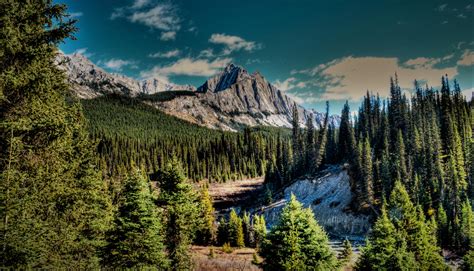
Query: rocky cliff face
point(235, 98)
point(230, 100)
point(328, 196)
point(90, 81)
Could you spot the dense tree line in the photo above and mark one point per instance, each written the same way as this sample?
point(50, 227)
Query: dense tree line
point(425, 143)
point(130, 132)
point(303, 154)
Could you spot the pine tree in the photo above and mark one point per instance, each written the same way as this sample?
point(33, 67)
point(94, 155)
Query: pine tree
point(259, 230)
point(467, 227)
point(309, 142)
point(235, 230)
point(411, 225)
point(136, 240)
point(345, 143)
point(385, 249)
point(443, 239)
point(297, 242)
point(247, 229)
point(206, 232)
point(222, 232)
point(367, 174)
point(181, 208)
point(54, 209)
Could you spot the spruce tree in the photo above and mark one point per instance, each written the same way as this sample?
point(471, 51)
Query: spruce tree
point(222, 232)
point(181, 209)
point(297, 242)
point(54, 209)
point(136, 241)
point(385, 248)
point(259, 230)
point(345, 143)
point(206, 232)
point(411, 226)
point(235, 230)
point(309, 142)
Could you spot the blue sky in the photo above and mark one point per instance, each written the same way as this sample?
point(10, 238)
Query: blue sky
point(313, 50)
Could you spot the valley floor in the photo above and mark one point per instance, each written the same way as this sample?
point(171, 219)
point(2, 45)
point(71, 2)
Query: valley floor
point(238, 259)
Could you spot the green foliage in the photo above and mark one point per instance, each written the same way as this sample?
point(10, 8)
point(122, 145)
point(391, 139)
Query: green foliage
point(468, 261)
point(385, 249)
point(235, 230)
point(130, 131)
point(206, 233)
point(181, 210)
point(259, 230)
point(54, 209)
point(347, 250)
point(222, 231)
point(297, 242)
point(226, 248)
point(467, 226)
point(402, 239)
point(424, 142)
point(136, 241)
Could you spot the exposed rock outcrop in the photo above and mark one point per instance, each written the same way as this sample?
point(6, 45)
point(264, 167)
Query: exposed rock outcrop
point(329, 197)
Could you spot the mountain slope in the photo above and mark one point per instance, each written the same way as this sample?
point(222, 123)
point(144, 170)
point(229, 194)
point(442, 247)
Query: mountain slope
point(90, 81)
point(228, 101)
point(236, 98)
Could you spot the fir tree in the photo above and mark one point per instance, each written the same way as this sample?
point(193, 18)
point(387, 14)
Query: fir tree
point(54, 209)
point(235, 230)
point(206, 233)
point(181, 208)
point(259, 230)
point(136, 240)
point(297, 242)
point(385, 249)
point(222, 232)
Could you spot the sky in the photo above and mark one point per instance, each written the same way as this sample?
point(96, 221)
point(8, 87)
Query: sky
point(314, 50)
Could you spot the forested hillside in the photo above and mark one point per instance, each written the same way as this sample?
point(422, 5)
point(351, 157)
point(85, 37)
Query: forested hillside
point(128, 131)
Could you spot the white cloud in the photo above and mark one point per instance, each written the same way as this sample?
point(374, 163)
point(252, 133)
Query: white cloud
point(207, 53)
point(168, 54)
point(118, 64)
point(76, 14)
point(83, 51)
point(285, 85)
point(160, 16)
point(442, 7)
point(188, 66)
point(140, 3)
point(170, 35)
point(462, 16)
point(467, 58)
point(350, 77)
point(233, 43)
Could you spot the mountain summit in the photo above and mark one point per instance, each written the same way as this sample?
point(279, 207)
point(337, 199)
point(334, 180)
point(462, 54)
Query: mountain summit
point(90, 81)
point(229, 100)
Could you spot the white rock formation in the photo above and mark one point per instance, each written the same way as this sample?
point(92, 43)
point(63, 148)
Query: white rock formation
point(328, 196)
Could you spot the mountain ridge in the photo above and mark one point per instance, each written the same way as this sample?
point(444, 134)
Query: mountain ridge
point(230, 100)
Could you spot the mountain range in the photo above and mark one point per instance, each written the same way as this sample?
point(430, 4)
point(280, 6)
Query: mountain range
point(230, 100)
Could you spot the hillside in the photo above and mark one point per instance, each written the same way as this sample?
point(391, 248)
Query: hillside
point(128, 130)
